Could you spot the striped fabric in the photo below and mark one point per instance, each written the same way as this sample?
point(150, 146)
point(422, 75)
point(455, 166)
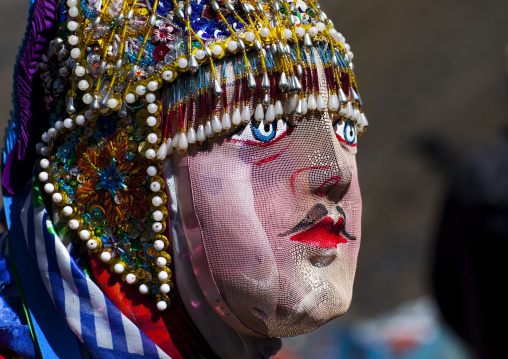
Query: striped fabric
point(101, 326)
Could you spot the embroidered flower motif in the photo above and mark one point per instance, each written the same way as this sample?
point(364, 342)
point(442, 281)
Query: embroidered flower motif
point(112, 180)
point(160, 52)
point(163, 33)
point(65, 151)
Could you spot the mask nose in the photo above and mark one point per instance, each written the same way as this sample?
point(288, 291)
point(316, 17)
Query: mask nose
point(332, 182)
point(328, 174)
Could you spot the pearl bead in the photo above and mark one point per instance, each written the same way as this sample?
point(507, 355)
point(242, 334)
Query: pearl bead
point(158, 244)
point(157, 215)
point(270, 113)
point(150, 98)
point(68, 123)
point(152, 108)
point(140, 90)
point(49, 188)
point(199, 54)
point(43, 176)
point(74, 224)
point(92, 244)
point(300, 32)
point(75, 52)
point(83, 85)
point(80, 120)
point(333, 32)
point(130, 98)
point(153, 85)
point(232, 45)
point(216, 124)
point(167, 75)
point(72, 25)
point(119, 268)
point(259, 114)
point(155, 186)
point(200, 133)
point(161, 261)
point(320, 27)
point(71, 3)
point(165, 288)
point(52, 132)
point(157, 227)
point(350, 55)
point(38, 147)
point(67, 211)
point(105, 257)
point(157, 201)
point(217, 50)
point(45, 137)
point(84, 234)
point(112, 103)
point(73, 40)
point(226, 121)
point(151, 171)
point(183, 62)
point(249, 36)
point(89, 114)
point(73, 11)
point(59, 125)
point(143, 289)
point(150, 154)
point(80, 71)
point(333, 103)
point(87, 99)
point(44, 163)
point(45, 151)
point(347, 47)
point(182, 142)
point(312, 31)
point(130, 278)
point(288, 34)
point(57, 197)
point(264, 32)
point(151, 121)
point(163, 275)
point(321, 107)
point(162, 305)
point(152, 138)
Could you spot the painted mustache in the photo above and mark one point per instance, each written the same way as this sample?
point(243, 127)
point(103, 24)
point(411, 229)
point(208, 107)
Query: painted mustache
point(319, 230)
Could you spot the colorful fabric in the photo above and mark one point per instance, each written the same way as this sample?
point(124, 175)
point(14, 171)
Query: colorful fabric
point(103, 329)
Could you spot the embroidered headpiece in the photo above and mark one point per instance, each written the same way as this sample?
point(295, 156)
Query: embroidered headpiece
point(120, 73)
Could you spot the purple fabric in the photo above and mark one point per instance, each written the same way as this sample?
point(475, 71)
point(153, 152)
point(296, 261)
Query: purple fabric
point(28, 94)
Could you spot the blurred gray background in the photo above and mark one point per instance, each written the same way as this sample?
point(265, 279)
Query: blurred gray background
point(433, 81)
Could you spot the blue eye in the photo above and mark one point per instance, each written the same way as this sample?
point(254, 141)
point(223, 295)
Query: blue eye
point(261, 133)
point(350, 132)
point(264, 131)
point(345, 132)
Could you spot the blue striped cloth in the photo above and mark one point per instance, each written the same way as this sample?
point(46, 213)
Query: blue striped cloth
point(97, 323)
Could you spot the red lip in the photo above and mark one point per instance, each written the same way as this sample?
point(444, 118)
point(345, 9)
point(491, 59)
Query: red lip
point(325, 234)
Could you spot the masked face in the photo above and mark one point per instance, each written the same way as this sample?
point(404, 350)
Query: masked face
point(271, 214)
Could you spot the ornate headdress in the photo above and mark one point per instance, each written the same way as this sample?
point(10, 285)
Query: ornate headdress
point(129, 81)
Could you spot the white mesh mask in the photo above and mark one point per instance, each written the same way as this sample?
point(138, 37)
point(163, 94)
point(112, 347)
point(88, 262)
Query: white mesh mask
point(271, 215)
